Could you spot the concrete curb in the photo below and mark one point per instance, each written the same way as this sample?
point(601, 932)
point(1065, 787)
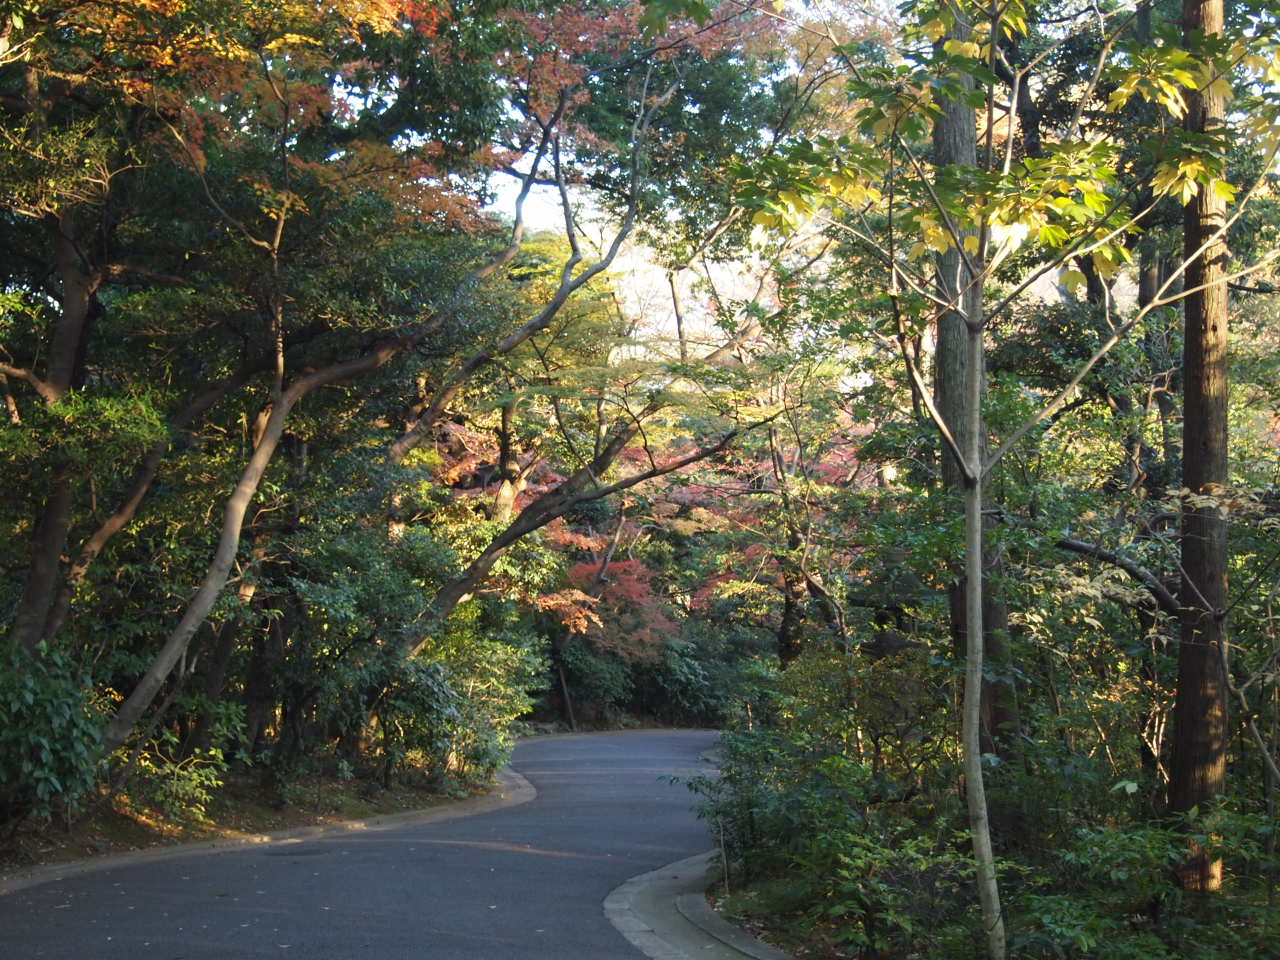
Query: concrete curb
point(511, 789)
point(640, 928)
point(664, 915)
point(694, 908)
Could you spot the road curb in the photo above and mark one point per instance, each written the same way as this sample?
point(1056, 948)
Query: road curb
point(664, 915)
point(694, 908)
point(511, 789)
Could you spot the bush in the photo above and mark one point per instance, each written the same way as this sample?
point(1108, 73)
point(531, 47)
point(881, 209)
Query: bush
point(49, 736)
point(846, 839)
point(679, 689)
point(181, 784)
point(600, 681)
point(417, 712)
point(1110, 897)
point(496, 675)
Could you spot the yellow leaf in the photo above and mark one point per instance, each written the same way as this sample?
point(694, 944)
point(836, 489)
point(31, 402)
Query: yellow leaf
point(291, 40)
point(1223, 189)
point(1073, 280)
point(1103, 263)
point(962, 48)
point(1221, 87)
point(935, 30)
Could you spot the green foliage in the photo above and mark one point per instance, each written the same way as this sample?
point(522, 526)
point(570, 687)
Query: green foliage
point(849, 844)
point(683, 690)
point(49, 728)
point(416, 712)
point(602, 680)
point(800, 169)
point(1110, 897)
point(497, 665)
point(178, 783)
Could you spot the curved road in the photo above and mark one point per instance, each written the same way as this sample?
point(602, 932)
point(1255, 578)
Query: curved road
point(520, 883)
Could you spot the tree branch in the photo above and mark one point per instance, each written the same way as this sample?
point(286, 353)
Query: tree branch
point(1164, 599)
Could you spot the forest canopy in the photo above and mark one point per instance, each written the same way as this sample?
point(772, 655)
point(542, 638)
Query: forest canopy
point(894, 388)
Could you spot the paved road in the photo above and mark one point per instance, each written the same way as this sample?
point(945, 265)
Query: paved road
point(521, 883)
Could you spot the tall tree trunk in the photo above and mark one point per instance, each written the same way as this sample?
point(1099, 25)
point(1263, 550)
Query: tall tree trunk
point(959, 390)
point(791, 563)
point(47, 544)
point(955, 143)
point(1200, 707)
point(65, 370)
point(975, 788)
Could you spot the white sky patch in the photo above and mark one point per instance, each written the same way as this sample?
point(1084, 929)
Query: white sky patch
point(541, 208)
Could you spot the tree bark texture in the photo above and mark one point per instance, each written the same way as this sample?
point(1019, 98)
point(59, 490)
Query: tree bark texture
point(512, 477)
point(1200, 708)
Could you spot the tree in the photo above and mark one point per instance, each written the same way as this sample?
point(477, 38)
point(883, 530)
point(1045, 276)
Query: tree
point(982, 212)
point(1198, 776)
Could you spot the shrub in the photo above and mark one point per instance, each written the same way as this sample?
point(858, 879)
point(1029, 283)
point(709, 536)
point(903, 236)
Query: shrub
point(599, 680)
point(416, 712)
point(49, 735)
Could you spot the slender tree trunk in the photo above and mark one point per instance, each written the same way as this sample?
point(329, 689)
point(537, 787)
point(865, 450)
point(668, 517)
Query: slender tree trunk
point(564, 692)
point(959, 388)
point(791, 564)
point(955, 142)
point(975, 788)
point(1200, 707)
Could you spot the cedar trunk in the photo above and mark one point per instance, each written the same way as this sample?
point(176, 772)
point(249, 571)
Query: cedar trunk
point(1200, 709)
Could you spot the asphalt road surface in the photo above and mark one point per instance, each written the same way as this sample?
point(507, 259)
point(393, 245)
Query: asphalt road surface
point(520, 883)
